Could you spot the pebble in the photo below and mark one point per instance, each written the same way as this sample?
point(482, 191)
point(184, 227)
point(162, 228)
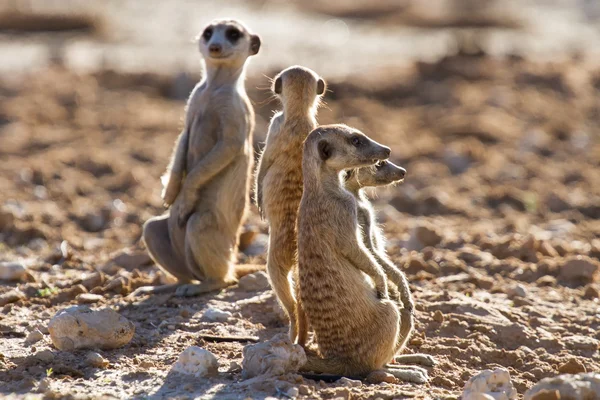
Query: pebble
point(197, 362)
point(423, 235)
point(274, 357)
point(11, 296)
point(132, 259)
point(349, 382)
point(96, 360)
point(438, 316)
point(44, 356)
point(490, 384)
point(516, 291)
point(304, 390)
point(591, 292)
point(257, 281)
point(578, 386)
point(34, 337)
point(89, 298)
point(234, 367)
point(579, 269)
point(581, 343)
point(573, 366)
point(79, 327)
point(258, 246)
point(292, 392)
point(44, 385)
point(216, 315)
point(12, 271)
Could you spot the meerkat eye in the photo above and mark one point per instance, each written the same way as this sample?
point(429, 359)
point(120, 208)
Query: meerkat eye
point(233, 35)
point(207, 34)
point(356, 141)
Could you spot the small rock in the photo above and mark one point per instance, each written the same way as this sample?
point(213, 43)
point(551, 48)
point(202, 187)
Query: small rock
point(495, 384)
point(88, 298)
point(11, 296)
point(11, 271)
point(292, 392)
point(259, 245)
point(591, 292)
point(516, 291)
point(132, 259)
point(438, 316)
point(566, 387)
point(92, 222)
point(577, 269)
point(234, 367)
point(44, 356)
point(581, 343)
point(34, 337)
point(94, 280)
point(277, 356)
point(257, 281)
point(423, 235)
point(216, 315)
point(95, 360)
point(304, 390)
point(349, 382)
point(246, 239)
point(573, 366)
point(79, 327)
point(197, 362)
point(44, 385)
point(546, 249)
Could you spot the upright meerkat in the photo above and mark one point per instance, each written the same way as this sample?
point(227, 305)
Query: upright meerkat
point(279, 176)
point(208, 178)
point(356, 325)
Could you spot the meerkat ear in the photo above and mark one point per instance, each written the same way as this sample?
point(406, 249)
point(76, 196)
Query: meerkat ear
point(324, 150)
point(277, 86)
point(321, 86)
point(254, 44)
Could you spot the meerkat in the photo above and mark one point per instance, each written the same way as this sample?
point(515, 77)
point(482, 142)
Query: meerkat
point(208, 178)
point(384, 173)
point(356, 324)
point(278, 185)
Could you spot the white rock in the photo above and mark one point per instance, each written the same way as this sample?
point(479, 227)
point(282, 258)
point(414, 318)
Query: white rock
point(292, 392)
point(34, 337)
point(254, 282)
point(216, 315)
point(349, 382)
point(517, 291)
point(197, 362)
point(571, 387)
point(79, 327)
point(277, 356)
point(96, 360)
point(11, 271)
point(489, 384)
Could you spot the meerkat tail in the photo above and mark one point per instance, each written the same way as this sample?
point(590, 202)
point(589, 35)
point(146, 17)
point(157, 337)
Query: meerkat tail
point(247, 269)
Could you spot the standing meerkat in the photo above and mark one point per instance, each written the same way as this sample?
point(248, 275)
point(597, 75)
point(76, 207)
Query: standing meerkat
point(279, 176)
point(208, 178)
point(356, 325)
point(384, 173)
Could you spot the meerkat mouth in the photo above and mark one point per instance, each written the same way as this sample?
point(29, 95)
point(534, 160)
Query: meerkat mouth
point(380, 164)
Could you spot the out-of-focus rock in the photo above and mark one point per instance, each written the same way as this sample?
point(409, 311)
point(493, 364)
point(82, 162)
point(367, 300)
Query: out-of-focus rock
point(11, 296)
point(566, 387)
point(44, 356)
point(516, 290)
point(579, 269)
point(216, 315)
point(423, 235)
point(581, 343)
point(573, 366)
point(96, 360)
point(79, 327)
point(257, 281)
point(34, 337)
point(89, 298)
point(246, 239)
point(132, 259)
point(259, 245)
point(94, 280)
point(277, 356)
point(488, 384)
point(197, 362)
point(12, 271)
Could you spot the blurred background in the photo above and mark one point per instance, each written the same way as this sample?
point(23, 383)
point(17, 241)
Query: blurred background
point(493, 108)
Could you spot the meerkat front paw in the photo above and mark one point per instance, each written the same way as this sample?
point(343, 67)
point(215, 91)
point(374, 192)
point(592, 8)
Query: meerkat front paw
point(382, 290)
point(169, 193)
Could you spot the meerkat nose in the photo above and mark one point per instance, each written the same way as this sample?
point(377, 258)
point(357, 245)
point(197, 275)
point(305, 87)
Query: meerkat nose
point(402, 172)
point(214, 48)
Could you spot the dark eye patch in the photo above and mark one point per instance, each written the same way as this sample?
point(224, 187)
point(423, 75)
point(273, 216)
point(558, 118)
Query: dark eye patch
point(233, 35)
point(207, 34)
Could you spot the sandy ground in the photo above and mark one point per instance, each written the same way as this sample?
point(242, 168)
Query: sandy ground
point(496, 226)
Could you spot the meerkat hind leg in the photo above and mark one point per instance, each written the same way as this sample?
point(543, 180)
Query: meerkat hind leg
point(421, 359)
point(195, 289)
point(160, 247)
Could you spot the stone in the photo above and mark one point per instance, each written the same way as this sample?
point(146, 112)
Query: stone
point(423, 235)
point(292, 392)
point(258, 246)
point(516, 291)
point(132, 259)
point(274, 357)
point(79, 327)
point(566, 387)
point(488, 384)
point(197, 362)
point(257, 281)
point(11, 296)
point(246, 239)
point(88, 298)
point(216, 315)
point(349, 382)
point(96, 360)
point(34, 337)
point(591, 292)
point(578, 269)
point(438, 316)
point(573, 366)
point(581, 343)
point(44, 356)
point(12, 271)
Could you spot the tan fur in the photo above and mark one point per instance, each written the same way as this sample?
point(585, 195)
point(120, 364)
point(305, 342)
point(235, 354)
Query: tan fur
point(279, 176)
point(208, 177)
point(342, 287)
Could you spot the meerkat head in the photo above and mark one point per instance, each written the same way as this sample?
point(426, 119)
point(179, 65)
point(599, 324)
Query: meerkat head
point(227, 42)
point(340, 147)
point(299, 88)
point(381, 174)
